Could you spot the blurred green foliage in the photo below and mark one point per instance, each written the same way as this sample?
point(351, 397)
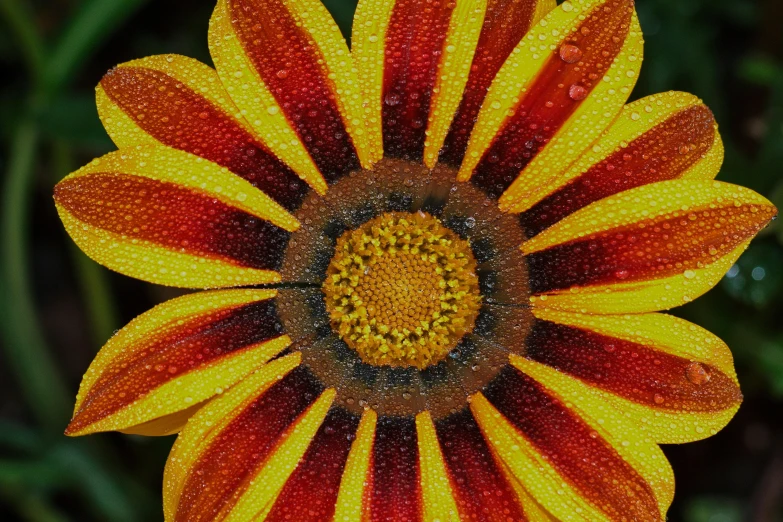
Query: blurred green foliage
point(57, 307)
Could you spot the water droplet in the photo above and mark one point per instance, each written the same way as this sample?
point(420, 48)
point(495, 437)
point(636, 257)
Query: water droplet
point(577, 92)
point(697, 373)
point(570, 53)
point(392, 99)
point(282, 74)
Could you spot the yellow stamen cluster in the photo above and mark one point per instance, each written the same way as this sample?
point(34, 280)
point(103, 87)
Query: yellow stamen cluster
point(402, 290)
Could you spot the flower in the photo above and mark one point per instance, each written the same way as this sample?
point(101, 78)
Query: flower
point(436, 263)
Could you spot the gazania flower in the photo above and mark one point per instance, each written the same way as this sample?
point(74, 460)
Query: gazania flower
point(447, 248)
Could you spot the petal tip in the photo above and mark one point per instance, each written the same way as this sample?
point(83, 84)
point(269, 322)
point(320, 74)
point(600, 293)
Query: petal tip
point(76, 428)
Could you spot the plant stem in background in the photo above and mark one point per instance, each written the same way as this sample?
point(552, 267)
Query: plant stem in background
point(24, 343)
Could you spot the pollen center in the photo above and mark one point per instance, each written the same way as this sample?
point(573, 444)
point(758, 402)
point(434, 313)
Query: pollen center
point(402, 290)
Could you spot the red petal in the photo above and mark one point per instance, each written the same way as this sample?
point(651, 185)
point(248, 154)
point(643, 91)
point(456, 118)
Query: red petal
point(395, 490)
point(176, 115)
point(634, 371)
point(505, 23)
point(480, 488)
point(554, 96)
point(284, 57)
point(311, 492)
point(243, 446)
point(580, 455)
point(172, 216)
point(664, 152)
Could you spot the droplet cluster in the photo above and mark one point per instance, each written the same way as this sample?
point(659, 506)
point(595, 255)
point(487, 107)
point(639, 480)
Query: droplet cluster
point(414, 44)
point(666, 151)
point(176, 115)
point(505, 23)
point(574, 69)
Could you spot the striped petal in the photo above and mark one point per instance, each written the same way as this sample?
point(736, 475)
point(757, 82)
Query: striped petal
point(505, 23)
point(168, 217)
point(671, 378)
point(478, 481)
point(579, 461)
point(413, 60)
point(180, 102)
point(559, 90)
point(286, 66)
point(310, 494)
point(401, 469)
point(645, 249)
point(235, 456)
point(153, 374)
point(661, 137)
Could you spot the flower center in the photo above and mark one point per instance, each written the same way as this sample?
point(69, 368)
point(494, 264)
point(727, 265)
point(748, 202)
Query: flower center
point(401, 290)
point(405, 290)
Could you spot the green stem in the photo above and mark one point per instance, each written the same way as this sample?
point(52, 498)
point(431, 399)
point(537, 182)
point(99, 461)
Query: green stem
point(96, 292)
point(24, 344)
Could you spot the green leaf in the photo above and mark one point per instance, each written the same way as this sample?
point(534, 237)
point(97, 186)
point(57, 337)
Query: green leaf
point(73, 119)
point(342, 12)
point(770, 363)
point(95, 20)
point(761, 70)
point(97, 483)
point(714, 509)
point(19, 438)
point(24, 344)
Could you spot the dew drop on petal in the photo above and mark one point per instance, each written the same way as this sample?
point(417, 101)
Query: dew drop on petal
point(392, 99)
point(622, 274)
point(577, 93)
point(570, 53)
point(697, 374)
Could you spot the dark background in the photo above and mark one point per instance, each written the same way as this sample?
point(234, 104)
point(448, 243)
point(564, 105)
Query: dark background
point(57, 307)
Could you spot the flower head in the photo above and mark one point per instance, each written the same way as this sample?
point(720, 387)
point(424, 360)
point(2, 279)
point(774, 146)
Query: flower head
point(433, 264)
